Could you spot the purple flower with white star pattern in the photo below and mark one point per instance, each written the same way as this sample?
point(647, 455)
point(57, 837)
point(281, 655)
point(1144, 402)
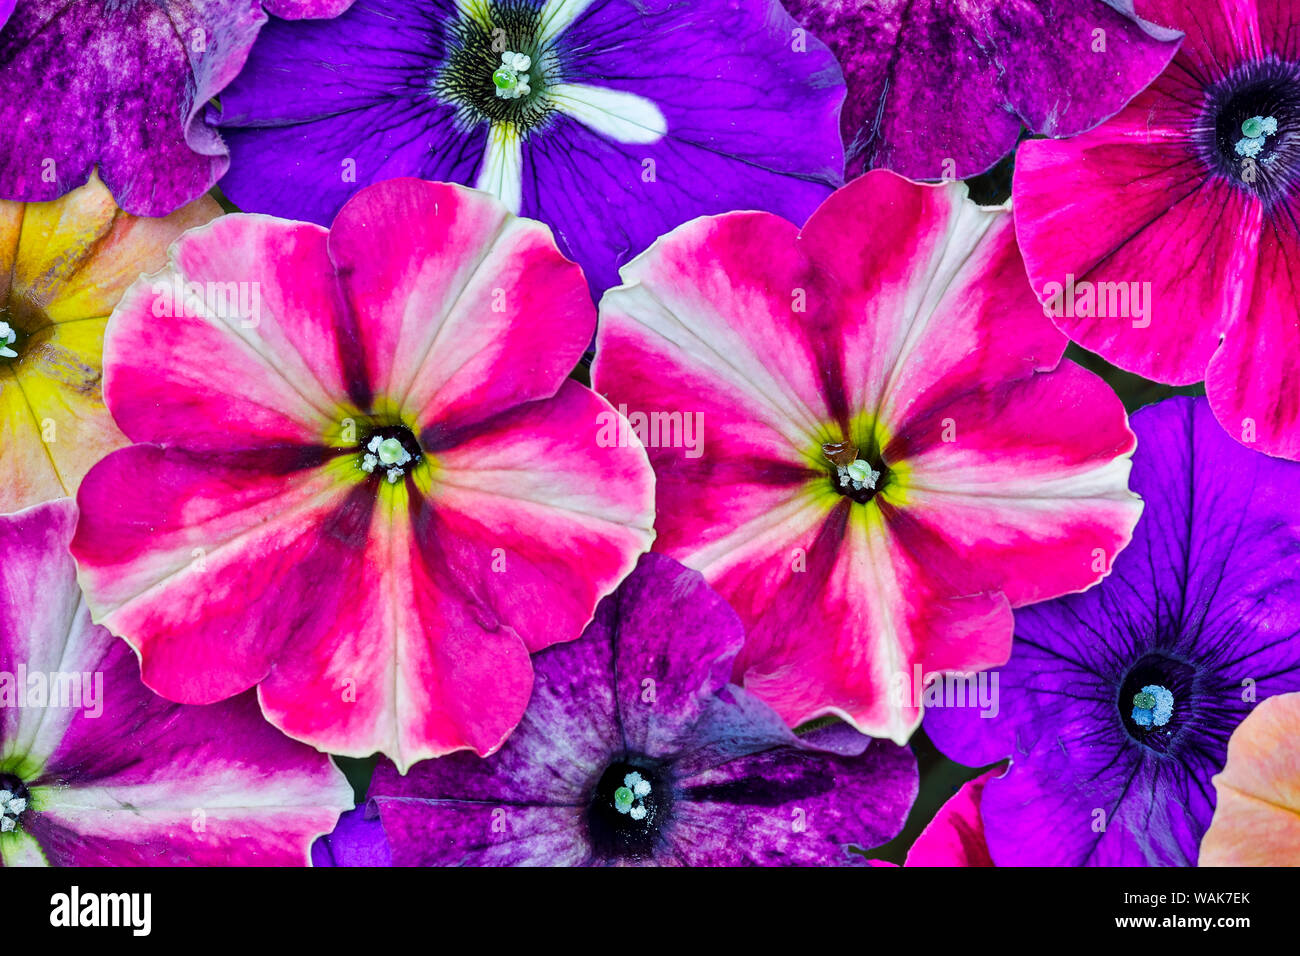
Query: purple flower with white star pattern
point(636, 750)
point(612, 121)
point(1117, 704)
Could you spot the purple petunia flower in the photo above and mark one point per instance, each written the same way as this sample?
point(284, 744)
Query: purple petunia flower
point(97, 770)
point(635, 750)
point(610, 120)
point(1117, 704)
point(940, 88)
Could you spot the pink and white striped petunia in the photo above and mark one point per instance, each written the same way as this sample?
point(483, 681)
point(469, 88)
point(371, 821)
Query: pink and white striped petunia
point(886, 454)
point(96, 770)
point(361, 479)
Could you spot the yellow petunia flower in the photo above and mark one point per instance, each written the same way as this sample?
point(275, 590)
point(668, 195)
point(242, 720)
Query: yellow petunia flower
point(63, 267)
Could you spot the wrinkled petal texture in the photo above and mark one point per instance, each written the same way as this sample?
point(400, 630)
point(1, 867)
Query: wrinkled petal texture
point(119, 776)
point(239, 543)
point(1058, 67)
point(1210, 578)
point(63, 267)
point(649, 678)
point(1008, 473)
point(325, 108)
point(118, 87)
point(1257, 820)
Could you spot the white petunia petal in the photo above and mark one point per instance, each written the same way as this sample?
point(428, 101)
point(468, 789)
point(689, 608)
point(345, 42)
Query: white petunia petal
point(503, 166)
point(622, 117)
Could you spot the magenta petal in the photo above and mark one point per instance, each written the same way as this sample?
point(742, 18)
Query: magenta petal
point(955, 837)
point(121, 776)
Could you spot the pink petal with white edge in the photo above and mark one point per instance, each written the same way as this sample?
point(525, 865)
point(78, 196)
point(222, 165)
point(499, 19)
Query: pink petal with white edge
point(449, 290)
point(132, 779)
point(925, 326)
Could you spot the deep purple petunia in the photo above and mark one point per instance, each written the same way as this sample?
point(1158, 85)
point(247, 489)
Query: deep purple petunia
point(1117, 704)
point(613, 121)
point(636, 750)
point(941, 88)
point(97, 770)
point(122, 86)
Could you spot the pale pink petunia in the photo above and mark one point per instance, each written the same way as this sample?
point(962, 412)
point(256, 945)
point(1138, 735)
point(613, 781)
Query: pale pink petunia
point(1257, 819)
point(361, 480)
point(899, 321)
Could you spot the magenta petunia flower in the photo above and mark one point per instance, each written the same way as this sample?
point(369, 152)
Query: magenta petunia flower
point(361, 480)
point(941, 88)
point(863, 435)
point(636, 750)
point(97, 770)
point(1165, 239)
point(122, 87)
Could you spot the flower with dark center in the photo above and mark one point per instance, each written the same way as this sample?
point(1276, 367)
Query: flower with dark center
point(610, 120)
point(98, 770)
point(636, 750)
point(897, 454)
point(121, 87)
point(64, 265)
point(1118, 703)
point(942, 89)
point(365, 483)
point(1166, 239)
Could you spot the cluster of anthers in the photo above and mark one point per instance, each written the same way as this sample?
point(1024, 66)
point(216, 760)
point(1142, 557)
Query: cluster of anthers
point(1153, 706)
point(7, 338)
point(628, 799)
point(854, 473)
point(11, 808)
point(510, 78)
point(390, 453)
point(1255, 133)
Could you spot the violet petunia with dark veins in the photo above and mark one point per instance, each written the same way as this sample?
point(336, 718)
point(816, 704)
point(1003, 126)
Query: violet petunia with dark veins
point(1117, 703)
point(635, 750)
point(610, 120)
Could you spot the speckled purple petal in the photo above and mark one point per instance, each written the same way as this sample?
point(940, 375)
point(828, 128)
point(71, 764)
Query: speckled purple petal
point(118, 86)
point(941, 88)
point(306, 9)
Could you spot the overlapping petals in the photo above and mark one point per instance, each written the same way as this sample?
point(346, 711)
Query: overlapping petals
point(1257, 819)
point(939, 89)
point(898, 320)
point(249, 537)
point(63, 267)
point(955, 837)
point(1156, 207)
point(109, 774)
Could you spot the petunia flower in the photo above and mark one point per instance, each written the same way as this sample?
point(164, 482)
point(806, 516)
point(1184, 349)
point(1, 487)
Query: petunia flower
point(884, 453)
point(1165, 239)
point(1200, 614)
point(955, 837)
point(122, 87)
point(381, 595)
point(63, 267)
point(610, 120)
point(1257, 819)
point(635, 749)
point(97, 770)
point(941, 88)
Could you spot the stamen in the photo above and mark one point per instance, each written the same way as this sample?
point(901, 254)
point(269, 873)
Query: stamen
point(7, 338)
point(1153, 706)
point(12, 807)
point(511, 78)
point(629, 798)
point(1255, 133)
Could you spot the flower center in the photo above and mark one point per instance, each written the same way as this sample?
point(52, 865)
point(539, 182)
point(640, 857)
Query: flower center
point(628, 809)
point(855, 477)
point(1155, 700)
point(14, 797)
point(8, 338)
point(389, 452)
point(493, 68)
point(1248, 131)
